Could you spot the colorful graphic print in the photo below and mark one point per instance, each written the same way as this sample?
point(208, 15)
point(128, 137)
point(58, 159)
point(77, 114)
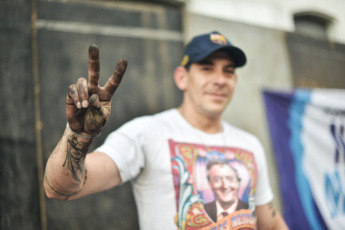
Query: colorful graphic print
point(196, 190)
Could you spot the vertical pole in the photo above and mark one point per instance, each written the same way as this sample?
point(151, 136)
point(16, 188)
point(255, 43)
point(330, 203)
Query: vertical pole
point(38, 123)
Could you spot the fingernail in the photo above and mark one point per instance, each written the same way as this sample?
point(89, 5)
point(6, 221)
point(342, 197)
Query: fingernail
point(85, 104)
point(78, 105)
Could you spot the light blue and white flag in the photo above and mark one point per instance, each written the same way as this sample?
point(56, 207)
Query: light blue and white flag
point(307, 129)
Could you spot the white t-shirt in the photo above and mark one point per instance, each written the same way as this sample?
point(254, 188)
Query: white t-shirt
point(165, 158)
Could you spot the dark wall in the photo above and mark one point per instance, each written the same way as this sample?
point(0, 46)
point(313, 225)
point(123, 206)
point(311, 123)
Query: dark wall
point(64, 32)
point(316, 63)
point(19, 196)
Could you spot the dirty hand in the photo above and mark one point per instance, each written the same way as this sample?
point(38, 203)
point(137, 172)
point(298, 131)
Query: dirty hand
point(88, 104)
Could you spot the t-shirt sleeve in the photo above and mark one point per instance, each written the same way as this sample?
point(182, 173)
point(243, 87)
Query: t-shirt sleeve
point(125, 147)
point(263, 194)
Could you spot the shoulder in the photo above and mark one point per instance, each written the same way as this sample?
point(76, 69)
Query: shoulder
point(242, 205)
point(166, 115)
point(147, 122)
point(241, 135)
point(210, 207)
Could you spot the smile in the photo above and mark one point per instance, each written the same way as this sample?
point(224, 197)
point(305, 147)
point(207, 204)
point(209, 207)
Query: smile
point(217, 95)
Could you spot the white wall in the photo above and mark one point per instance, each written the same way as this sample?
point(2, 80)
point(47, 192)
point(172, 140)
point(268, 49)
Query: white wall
point(274, 14)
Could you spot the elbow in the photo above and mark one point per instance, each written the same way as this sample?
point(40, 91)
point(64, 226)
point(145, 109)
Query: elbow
point(61, 193)
point(51, 193)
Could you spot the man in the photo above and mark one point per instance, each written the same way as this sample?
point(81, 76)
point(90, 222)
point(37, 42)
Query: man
point(154, 151)
point(224, 182)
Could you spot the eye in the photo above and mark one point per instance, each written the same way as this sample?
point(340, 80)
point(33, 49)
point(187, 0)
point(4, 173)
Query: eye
point(230, 178)
point(206, 68)
point(216, 179)
point(230, 70)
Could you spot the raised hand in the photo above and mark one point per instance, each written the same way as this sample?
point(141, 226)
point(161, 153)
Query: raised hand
point(88, 104)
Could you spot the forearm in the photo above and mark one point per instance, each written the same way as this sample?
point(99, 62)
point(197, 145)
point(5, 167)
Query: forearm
point(269, 218)
point(66, 172)
point(278, 223)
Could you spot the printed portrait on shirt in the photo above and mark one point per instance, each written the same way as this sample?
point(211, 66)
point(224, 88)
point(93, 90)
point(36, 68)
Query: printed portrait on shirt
point(214, 186)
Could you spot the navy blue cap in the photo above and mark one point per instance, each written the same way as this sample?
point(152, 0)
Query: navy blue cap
point(203, 45)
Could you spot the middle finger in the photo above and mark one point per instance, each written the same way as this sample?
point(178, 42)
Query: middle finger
point(94, 68)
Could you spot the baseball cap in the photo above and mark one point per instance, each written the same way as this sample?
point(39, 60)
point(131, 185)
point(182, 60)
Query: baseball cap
point(203, 45)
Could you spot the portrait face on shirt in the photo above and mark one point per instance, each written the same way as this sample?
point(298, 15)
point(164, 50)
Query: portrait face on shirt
point(224, 183)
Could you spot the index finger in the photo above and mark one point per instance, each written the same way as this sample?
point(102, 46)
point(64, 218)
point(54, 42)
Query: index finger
point(93, 65)
point(115, 79)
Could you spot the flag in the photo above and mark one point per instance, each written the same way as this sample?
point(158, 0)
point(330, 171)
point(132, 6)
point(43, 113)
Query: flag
point(307, 129)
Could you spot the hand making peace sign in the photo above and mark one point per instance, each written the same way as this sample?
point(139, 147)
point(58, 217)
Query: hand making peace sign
point(88, 104)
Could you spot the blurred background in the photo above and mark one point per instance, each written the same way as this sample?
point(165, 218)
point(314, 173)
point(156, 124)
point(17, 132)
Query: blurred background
point(44, 49)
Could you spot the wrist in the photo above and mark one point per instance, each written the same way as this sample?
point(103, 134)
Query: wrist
point(81, 135)
point(77, 146)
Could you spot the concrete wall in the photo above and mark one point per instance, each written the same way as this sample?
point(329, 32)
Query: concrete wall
point(19, 189)
point(274, 14)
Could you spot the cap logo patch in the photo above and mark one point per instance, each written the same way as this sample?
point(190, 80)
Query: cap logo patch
point(185, 60)
point(218, 39)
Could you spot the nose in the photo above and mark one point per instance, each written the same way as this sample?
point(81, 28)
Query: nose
point(226, 183)
point(219, 77)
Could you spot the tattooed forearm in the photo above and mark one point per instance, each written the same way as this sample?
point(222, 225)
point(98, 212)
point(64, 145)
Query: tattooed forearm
point(75, 157)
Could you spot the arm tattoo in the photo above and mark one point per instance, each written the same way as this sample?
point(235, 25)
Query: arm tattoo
point(75, 157)
point(273, 210)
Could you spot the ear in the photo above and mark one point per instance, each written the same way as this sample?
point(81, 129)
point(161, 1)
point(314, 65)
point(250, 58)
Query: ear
point(180, 77)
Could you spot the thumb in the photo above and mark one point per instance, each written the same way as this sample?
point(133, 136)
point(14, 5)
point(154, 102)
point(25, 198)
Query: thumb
point(95, 119)
point(94, 102)
point(97, 107)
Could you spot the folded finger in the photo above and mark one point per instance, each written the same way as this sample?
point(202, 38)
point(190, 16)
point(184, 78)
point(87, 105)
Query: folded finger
point(97, 116)
point(73, 94)
point(115, 79)
point(83, 92)
point(94, 102)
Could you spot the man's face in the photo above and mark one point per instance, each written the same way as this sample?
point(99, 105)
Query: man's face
point(210, 84)
point(224, 183)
